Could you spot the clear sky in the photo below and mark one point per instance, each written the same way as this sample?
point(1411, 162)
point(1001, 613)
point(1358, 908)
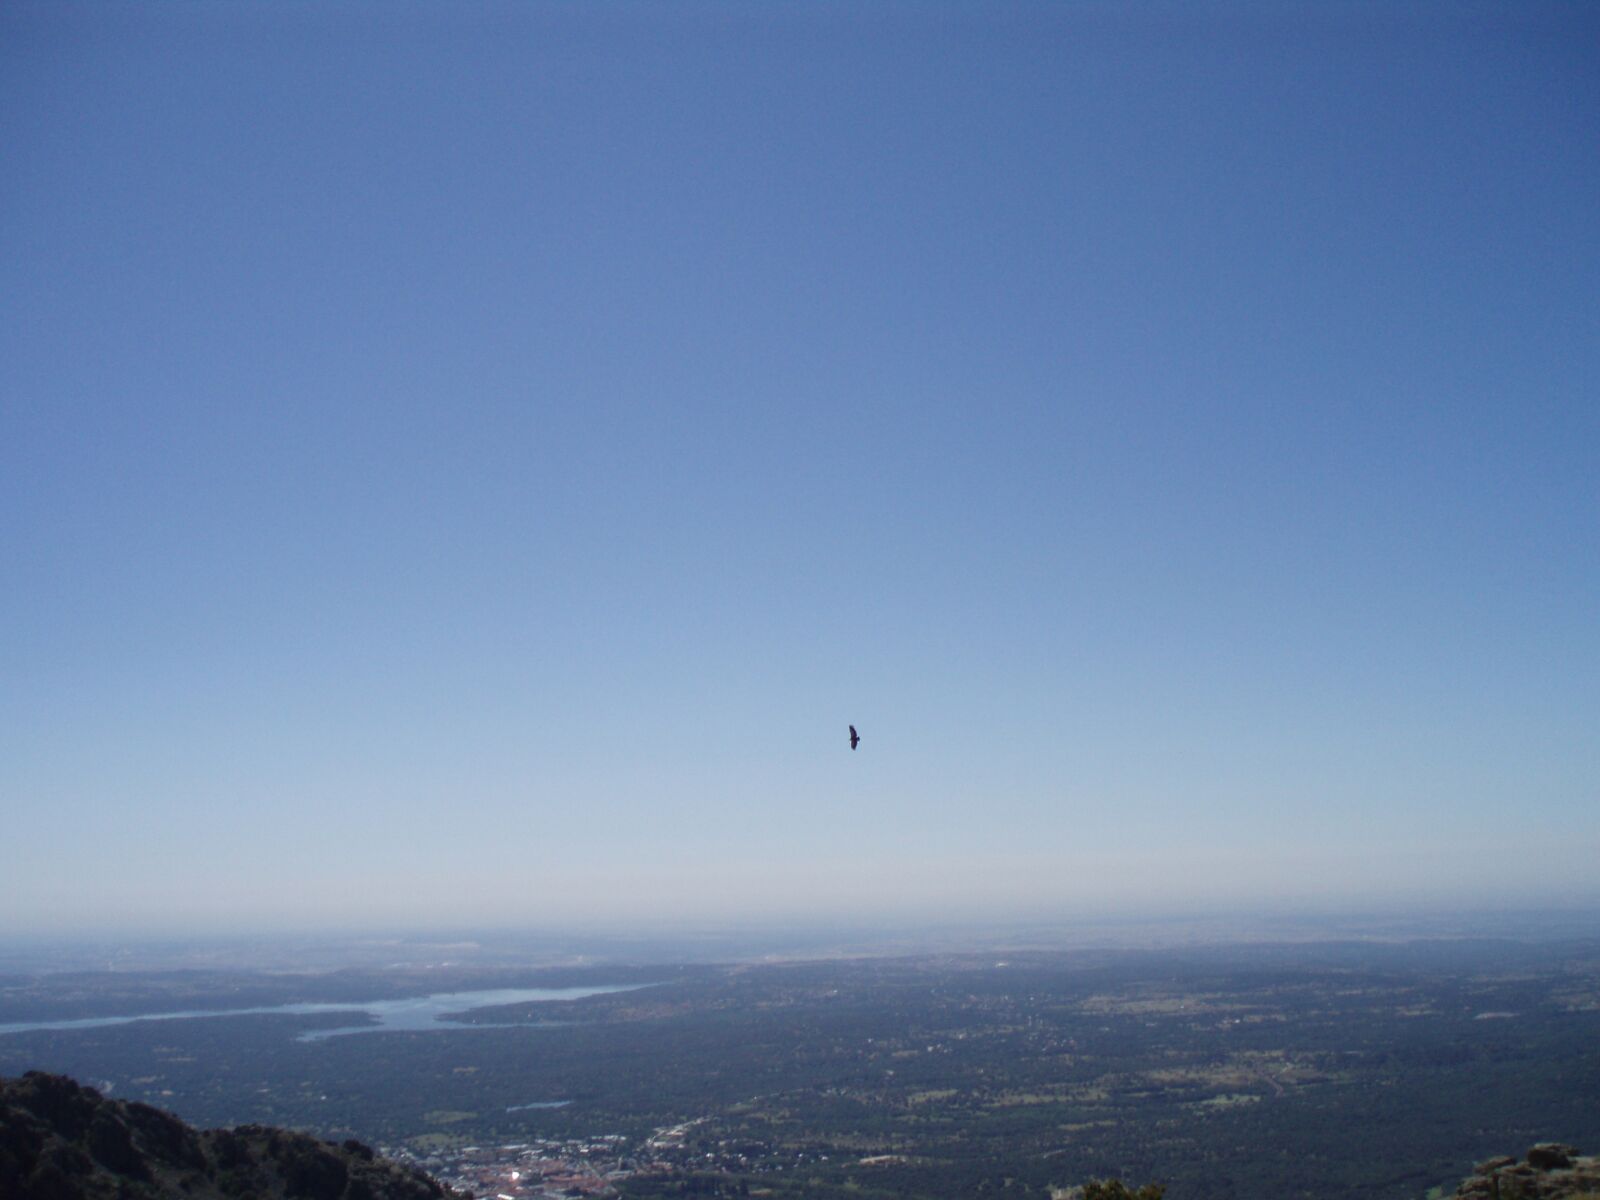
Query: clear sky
point(470, 462)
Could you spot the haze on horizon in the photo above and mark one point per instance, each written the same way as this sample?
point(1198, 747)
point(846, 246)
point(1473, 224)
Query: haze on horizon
point(470, 463)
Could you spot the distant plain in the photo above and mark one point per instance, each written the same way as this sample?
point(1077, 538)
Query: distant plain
point(1375, 1066)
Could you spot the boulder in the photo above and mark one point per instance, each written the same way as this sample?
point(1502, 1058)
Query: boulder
point(1552, 1156)
point(1552, 1171)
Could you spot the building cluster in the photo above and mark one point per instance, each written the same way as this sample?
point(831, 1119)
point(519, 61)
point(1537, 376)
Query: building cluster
point(528, 1170)
point(593, 1166)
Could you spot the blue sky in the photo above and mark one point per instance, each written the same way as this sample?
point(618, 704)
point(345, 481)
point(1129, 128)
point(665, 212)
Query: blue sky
point(469, 463)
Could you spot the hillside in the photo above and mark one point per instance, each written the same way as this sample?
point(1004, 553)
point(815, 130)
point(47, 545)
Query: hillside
point(62, 1141)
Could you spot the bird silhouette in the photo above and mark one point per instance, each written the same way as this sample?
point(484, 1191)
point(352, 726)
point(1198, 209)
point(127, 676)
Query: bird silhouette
point(855, 737)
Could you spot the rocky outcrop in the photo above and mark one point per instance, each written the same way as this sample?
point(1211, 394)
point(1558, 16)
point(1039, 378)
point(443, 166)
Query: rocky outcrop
point(1551, 1171)
point(62, 1141)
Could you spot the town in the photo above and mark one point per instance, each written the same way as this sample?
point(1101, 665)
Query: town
point(587, 1167)
point(595, 1166)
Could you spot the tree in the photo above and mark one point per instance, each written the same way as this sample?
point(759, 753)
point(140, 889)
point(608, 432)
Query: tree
point(1115, 1189)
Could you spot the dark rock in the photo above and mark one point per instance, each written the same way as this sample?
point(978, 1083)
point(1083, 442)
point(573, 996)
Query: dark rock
point(18, 1153)
point(311, 1173)
point(60, 1103)
point(1551, 1156)
point(229, 1149)
point(1491, 1165)
point(236, 1181)
point(112, 1147)
point(164, 1136)
point(68, 1158)
point(50, 1182)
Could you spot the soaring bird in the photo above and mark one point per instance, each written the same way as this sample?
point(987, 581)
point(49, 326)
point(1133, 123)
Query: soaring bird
point(855, 738)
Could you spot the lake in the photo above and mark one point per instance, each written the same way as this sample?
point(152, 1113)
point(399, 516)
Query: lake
point(412, 1014)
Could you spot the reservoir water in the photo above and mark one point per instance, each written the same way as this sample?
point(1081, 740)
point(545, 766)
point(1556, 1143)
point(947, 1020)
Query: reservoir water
point(411, 1014)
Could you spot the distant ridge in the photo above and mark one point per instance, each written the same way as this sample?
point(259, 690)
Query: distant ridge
point(60, 1140)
